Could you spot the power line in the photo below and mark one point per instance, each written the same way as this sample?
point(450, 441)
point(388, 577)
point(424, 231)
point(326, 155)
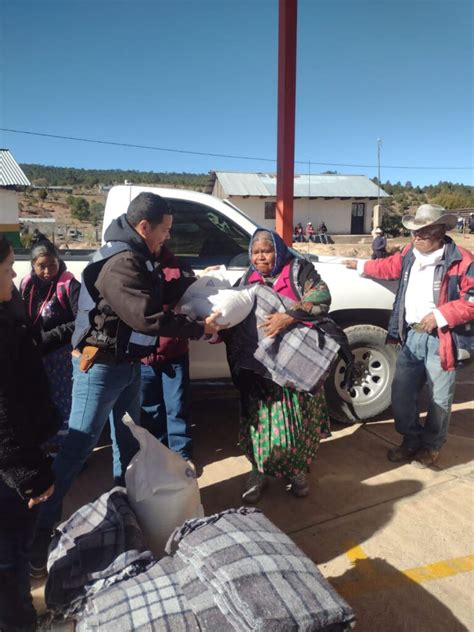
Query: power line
point(214, 155)
point(133, 145)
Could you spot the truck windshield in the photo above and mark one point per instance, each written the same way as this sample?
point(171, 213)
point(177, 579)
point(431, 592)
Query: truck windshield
point(202, 236)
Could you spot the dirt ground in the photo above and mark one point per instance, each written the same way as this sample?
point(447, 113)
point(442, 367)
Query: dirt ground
point(362, 247)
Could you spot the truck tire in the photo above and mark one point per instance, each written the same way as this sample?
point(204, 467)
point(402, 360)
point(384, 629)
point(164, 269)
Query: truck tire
point(370, 394)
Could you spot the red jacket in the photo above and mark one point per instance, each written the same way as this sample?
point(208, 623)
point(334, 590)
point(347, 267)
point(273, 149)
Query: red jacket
point(453, 295)
point(176, 277)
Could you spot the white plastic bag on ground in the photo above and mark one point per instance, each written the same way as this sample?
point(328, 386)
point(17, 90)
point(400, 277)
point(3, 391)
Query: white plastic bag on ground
point(162, 489)
point(213, 293)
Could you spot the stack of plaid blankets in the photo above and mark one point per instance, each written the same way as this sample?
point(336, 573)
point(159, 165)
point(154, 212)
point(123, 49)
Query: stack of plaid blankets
point(231, 571)
point(301, 357)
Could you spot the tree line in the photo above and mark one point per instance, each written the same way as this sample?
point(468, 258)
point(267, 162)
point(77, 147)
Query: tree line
point(45, 175)
point(448, 194)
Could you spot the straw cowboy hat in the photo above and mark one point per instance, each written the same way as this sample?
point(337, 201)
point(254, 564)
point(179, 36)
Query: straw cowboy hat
point(428, 215)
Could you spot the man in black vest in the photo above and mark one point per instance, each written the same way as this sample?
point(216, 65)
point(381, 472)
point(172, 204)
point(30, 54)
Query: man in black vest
point(119, 318)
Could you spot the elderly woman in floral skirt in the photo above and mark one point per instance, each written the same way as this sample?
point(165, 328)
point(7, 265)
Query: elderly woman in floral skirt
point(281, 427)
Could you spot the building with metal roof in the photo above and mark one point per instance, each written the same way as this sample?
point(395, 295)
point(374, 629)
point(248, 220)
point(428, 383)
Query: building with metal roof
point(11, 174)
point(11, 177)
point(345, 203)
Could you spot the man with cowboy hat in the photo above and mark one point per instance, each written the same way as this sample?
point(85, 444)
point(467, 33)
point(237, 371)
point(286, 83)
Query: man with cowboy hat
point(379, 244)
point(433, 307)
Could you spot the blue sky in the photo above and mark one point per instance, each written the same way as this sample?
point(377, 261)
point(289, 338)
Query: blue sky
point(201, 75)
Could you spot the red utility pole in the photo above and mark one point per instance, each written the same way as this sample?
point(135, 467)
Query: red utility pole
point(286, 118)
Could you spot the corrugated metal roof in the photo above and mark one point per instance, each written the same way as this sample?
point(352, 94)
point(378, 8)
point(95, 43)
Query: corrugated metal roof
point(320, 185)
point(10, 172)
point(242, 183)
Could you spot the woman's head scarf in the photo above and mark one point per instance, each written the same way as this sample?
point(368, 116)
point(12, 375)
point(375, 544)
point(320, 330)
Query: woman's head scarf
point(282, 252)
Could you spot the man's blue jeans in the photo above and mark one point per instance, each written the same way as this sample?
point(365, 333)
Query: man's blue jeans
point(105, 392)
point(165, 404)
point(418, 364)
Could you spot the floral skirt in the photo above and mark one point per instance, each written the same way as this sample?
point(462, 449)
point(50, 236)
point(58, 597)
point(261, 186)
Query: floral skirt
point(58, 367)
point(281, 428)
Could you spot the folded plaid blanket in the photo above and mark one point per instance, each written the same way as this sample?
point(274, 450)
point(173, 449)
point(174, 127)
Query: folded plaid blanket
point(258, 577)
point(167, 596)
point(150, 602)
point(301, 357)
point(200, 598)
point(234, 570)
point(98, 545)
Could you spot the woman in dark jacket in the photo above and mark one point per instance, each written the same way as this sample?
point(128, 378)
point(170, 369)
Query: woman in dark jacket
point(27, 419)
point(50, 294)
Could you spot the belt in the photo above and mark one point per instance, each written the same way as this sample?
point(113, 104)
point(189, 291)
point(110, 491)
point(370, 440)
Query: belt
point(104, 357)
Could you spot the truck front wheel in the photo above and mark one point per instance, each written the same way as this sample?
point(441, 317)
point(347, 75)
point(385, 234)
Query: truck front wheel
point(374, 370)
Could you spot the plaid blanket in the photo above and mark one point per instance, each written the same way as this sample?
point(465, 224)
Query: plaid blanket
point(98, 545)
point(301, 357)
point(234, 570)
point(150, 602)
point(258, 577)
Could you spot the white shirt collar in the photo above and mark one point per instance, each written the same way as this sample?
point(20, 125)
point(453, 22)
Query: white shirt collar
point(428, 259)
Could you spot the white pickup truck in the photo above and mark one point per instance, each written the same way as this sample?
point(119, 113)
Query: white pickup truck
point(209, 231)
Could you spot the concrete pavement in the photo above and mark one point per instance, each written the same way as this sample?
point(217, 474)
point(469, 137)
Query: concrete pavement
point(395, 540)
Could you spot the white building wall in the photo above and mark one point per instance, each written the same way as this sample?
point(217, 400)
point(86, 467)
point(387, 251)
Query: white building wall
point(8, 208)
point(335, 213)
point(218, 191)
point(255, 208)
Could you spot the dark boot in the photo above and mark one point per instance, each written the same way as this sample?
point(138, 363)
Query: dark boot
point(17, 613)
point(425, 458)
point(402, 453)
point(39, 553)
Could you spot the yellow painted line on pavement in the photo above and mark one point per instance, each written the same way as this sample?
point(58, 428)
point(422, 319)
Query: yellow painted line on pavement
point(371, 575)
point(356, 552)
point(446, 568)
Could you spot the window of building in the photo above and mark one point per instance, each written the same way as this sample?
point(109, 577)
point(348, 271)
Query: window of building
point(358, 209)
point(270, 210)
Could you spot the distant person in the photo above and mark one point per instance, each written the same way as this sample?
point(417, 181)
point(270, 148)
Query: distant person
point(299, 233)
point(119, 318)
point(322, 233)
point(460, 224)
point(435, 299)
point(27, 419)
point(471, 223)
point(310, 232)
point(50, 294)
point(379, 244)
point(37, 237)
